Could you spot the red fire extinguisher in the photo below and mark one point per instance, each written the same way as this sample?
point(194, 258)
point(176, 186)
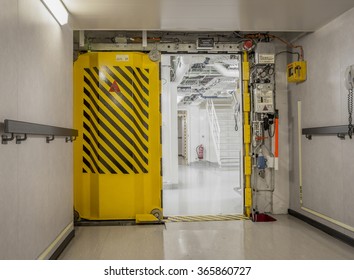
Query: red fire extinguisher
point(200, 151)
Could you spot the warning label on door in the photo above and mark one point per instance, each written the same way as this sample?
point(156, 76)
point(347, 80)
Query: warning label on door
point(114, 87)
point(122, 57)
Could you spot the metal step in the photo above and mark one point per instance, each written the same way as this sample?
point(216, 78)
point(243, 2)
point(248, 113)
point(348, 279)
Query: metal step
point(231, 151)
point(220, 105)
point(228, 137)
point(229, 131)
point(229, 158)
point(231, 139)
point(225, 119)
point(230, 154)
point(229, 124)
point(229, 161)
point(229, 164)
point(225, 113)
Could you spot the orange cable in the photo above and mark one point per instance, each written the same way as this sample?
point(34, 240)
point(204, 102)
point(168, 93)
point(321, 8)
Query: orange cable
point(251, 36)
point(276, 140)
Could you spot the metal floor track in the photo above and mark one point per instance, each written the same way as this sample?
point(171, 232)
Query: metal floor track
point(113, 223)
point(169, 219)
point(205, 218)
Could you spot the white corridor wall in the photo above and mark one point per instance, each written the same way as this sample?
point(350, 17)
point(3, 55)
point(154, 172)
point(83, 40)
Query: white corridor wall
point(327, 172)
point(36, 186)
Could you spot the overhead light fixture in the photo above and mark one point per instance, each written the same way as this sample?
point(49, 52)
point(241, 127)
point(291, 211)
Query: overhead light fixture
point(58, 10)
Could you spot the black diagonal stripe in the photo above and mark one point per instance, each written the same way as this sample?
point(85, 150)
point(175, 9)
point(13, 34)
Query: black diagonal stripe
point(129, 116)
point(126, 100)
point(120, 155)
point(108, 154)
point(136, 90)
point(118, 116)
point(112, 146)
point(147, 70)
point(136, 100)
point(93, 77)
point(119, 129)
point(87, 70)
point(88, 152)
point(93, 147)
point(146, 79)
point(130, 81)
point(108, 143)
point(131, 70)
point(100, 159)
point(88, 164)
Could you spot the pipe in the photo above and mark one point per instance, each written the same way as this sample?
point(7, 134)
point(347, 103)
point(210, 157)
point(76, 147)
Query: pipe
point(276, 144)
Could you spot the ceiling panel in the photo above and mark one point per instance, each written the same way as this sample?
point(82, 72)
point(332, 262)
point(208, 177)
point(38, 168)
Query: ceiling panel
point(204, 15)
point(114, 14)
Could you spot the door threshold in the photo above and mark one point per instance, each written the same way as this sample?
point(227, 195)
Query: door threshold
point(205, 218)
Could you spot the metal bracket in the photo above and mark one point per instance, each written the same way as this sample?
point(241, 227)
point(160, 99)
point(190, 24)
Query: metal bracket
point(5, 138)
point(341, 136)
point(309, 136)
point(49, 138)
point(19, 139)
point(70, 139)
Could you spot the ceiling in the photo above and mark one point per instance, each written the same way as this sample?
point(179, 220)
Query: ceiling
point(201, 76)
point(204, 15)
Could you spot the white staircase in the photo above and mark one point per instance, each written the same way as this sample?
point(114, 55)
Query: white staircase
point(226, 139)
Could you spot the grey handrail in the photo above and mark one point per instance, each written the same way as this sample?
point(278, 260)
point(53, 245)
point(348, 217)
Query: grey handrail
point(339, 130)
point(25, 128)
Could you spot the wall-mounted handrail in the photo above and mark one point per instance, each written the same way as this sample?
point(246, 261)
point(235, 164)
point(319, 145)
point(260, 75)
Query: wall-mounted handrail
point(339, 130)
point(25, 128)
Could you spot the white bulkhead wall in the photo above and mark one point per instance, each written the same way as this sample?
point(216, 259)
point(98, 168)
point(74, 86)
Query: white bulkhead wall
point(169, 125)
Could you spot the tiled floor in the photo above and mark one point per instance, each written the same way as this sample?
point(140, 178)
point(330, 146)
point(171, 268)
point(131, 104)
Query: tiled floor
point(203, 189)
point(287, 238)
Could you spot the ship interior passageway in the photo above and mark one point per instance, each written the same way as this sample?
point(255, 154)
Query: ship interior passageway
point(203, 189)
point(124, 124)
point(202, 134)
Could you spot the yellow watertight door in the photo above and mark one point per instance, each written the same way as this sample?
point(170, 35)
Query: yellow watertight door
point(117, 156)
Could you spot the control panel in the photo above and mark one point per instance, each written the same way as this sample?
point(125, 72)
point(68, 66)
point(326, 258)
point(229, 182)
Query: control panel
point(263, 98)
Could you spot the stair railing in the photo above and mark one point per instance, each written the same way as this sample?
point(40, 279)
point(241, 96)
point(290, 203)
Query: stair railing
point(236, 110)
point(214, 127)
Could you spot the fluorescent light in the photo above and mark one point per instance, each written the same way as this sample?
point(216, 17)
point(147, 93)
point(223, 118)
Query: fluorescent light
point(57, 9)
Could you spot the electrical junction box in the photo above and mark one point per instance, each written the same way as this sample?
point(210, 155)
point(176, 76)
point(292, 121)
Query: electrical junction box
point(265, 53)
point(205, 43)
point(297, 72)
point(263, 98)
